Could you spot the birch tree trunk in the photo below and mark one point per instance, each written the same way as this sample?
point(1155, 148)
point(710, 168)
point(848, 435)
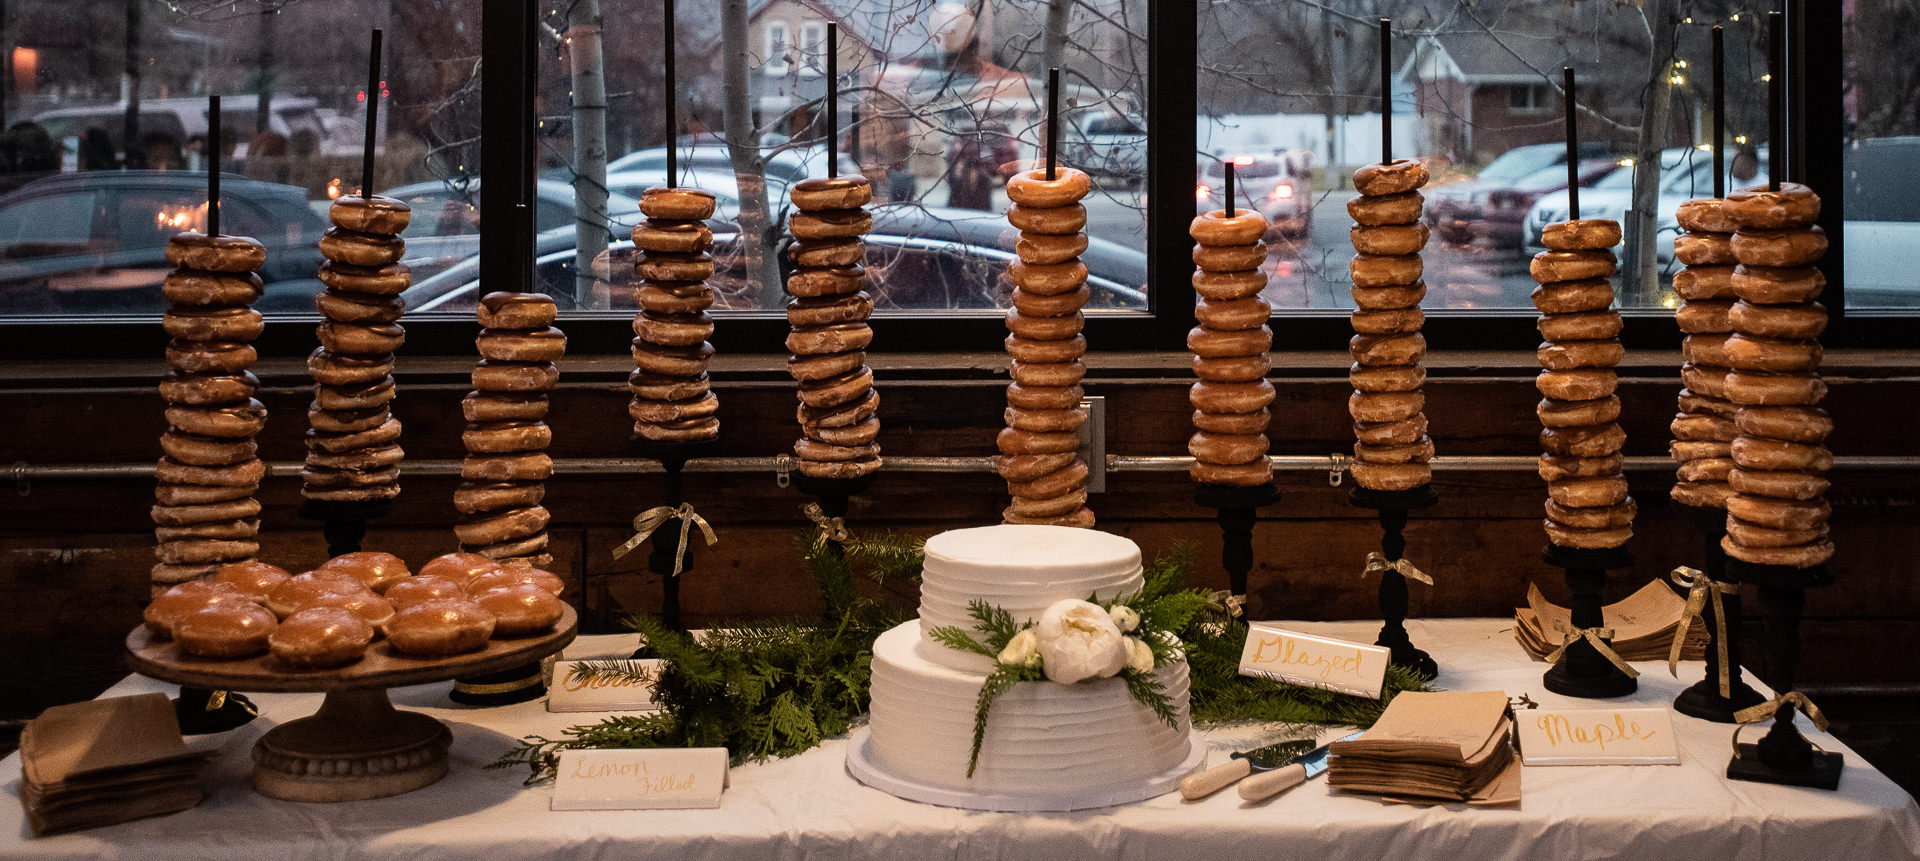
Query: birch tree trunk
point(132, 155)
point(262, 117)
point(1656, 121)
point(592, 221)
point(743, 147)
point(1054, 43)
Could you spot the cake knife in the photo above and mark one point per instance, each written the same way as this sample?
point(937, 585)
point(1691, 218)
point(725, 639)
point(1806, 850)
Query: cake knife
point(1241, 764)
point(1310, 765)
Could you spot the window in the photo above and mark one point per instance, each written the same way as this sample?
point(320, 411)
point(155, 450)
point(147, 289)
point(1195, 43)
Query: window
point(813, 48)
point(1881, 157)
point(1529, 99)
point(779, 43)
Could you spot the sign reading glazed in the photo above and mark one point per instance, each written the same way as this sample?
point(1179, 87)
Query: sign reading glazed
point(655, 778)
point(571, 691)
point(1316, 662)
point(1597, 737)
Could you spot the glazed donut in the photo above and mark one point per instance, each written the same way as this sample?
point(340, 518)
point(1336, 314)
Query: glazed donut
point(1388, 239)
point(1060, 506)
point(1752, 353)
point(1775, 286)
point(1780, 248)
point(1050, 248)
point(1068, 373)
point(210, 357)
point(672, 330)
point(1398, 321)
point(1775, 513)
point(330, 368)
point(1216, 343)
point(1705, 215)
point(827, 281)
point(840, 415)
point(1228, 286)
point(1594, 492)
point(509, 525)
point(830, 224)
point(374, 609)
point(244, 473)
point(823, 340)
point(1703, 249)
point(459, 567)
point(1694, 403)
point(1018, 469)
point(1707, 381)
point(438, 629)
point(358, 396)
point(508, 436)
point(1801, 556)
point(852, 436)
point(1567, 355)
point(1053, 221)
point(508, 553)
point(657, 412)
point(1705, 469)
point(1801, 321)
point(1779, 484)
point(522, 345)
point(241, 420)
point(1386, 378)
point(1566, 414)
point(1704, 282)
point(1390, 433)
point(520, 610)
point(167, 608)
point(517, 574)
point(1586, 234)
point(834, 391)
point(1388, 209)
point(1751, 535)
point(1080, 518)
point(501, 406)
point(839, 469)
point(495, 376)
point(1040, 328)
point(1227, 448)
point(827, 252)
point(1211, 397)
point(473, 497)
point(1232, 369)
point(505, 310)
point(1059, 482)
point(1689, 427)
point(1588, 539)
point(1616, 516)
point(1050, 352)
point(682, 431)
point(1585, 326)
point(1760, 453)
point(1370, 270)
point(228, 630)
point(676, 204)
point(426, 587)
point(526, 466)
point(1550, 266)
point(1044, 397)
point(1760, 389)
point(204, 551)
point(1015, 441)
point(1390, 476)
point(669, 361)
point(1553, 467)
point(223, 253)
point(830, 310)
point(1059, 304)
point(1805, 425)
point(374, 214)
point(1581, 384)
point(206, 451)
point(1049, 278)
point(320, 638)
point(1388, 349)
point(360, 339)
point(361, 249)
point(195, 494)
point(1418, 451)
point(1049, 421)
point(672, 237)
point(252, 579)
point(1239, 424)
point(1701, 494)
point(1384, 406)
point(1244, 227)
point(661, 266)
point(187, 389)
point(1686, 450)
point(390, 280)
point(1793, 205)
point(655, 387)
point(359, 307)
point(1389, 298)
point(840, 192)
point(215, 323)
point(820, 367)
point(1588, 441)
point(210, 288)
point(1229, 258)
point(1033, 188)
point(1708, 350)
point(225, 530)
point(346, 421)
point(1394, 177)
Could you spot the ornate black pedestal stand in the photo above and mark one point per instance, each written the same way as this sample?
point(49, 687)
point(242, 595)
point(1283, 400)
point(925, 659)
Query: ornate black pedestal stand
point(1583, 672)
point(673, 457)
point(1783, 755)
point(1703, 700)
point(1392, 506)
point(1236, 507)
point(835, 495)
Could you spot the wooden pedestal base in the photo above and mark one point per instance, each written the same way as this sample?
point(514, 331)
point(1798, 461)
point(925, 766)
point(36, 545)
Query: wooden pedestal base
point(358, 746)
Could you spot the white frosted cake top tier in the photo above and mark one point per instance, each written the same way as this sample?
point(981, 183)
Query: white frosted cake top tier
point(1021, 569)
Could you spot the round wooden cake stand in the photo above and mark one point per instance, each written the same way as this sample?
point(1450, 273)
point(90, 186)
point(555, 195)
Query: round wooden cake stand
point(358, 746)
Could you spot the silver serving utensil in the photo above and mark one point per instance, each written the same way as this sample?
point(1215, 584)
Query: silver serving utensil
point(1310, 765)
point(1243, 763)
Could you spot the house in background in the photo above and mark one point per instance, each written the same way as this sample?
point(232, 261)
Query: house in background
point(1481, 94)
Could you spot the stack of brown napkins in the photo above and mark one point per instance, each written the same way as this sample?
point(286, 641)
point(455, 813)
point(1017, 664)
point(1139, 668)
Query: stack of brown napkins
point(1433, 747)
point(1643, 624)
point(105, 761)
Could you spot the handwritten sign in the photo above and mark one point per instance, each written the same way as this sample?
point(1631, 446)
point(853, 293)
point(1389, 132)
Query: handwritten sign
point(656, 779)
point(1597, 737)
point(1316, 662)
point(568, 691)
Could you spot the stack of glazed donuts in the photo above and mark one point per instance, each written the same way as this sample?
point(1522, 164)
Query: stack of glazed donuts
point(1703, 430)
point(1039, 448)
point(352, 449)
point(1230, 414)
point(504, 474)
point(1778, 513)
point(1587, 503)
point(204, 513)
point(672, 400)
point(1391, 449)
point(829, 336)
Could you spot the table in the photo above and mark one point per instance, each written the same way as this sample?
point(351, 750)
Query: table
point(808, 807)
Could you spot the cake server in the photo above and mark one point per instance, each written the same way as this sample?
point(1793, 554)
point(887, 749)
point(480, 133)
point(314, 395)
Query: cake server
point(1242, 763)
point(1310, 765)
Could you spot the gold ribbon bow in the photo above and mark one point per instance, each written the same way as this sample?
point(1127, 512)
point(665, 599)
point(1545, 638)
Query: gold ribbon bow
point(1790, 699)
point(654, 518)
point(832, 529)
point(1701, 588)
point(1377, 564)
point(1229, 604)
point(1595, 637)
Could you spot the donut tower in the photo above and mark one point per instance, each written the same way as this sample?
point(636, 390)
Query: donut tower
point(1703, 430)
point(1391, 451)
point(1039, 448)
point(1587, 503)
point(204, 512)
point(672, 400)
point(1778, 512)
point(829, 336)
point(503, 478)
point(1229, 346)
point(352, 451)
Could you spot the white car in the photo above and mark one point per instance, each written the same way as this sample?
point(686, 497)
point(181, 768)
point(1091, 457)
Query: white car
point(1686, 173)
point(1883, 222)
point(1277, 185)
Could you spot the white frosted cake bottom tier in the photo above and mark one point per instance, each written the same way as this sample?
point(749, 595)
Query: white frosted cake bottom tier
point(1042, 738)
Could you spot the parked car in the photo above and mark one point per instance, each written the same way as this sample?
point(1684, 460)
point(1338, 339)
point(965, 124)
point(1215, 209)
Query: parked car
point(445, 227)
point(787, 166)
point(1278, 185)
point(1453, 209)
point(1883, 222)
point(1686, 173)
point(1107, 146)
point(1504, 213)
point(94, 243)
point(723, 184)
point(181, 119)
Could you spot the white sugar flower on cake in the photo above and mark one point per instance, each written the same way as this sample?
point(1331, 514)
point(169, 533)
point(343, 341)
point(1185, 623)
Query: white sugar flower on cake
point(1079, 641)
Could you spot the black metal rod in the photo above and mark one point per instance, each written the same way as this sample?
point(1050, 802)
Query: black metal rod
point(1226, 188)
point(1053, 119)
point(1573, 148)
point(673, 97)
point(373, 115)
point(666, 544)
point(833, 100)
point(506, 144)
point(213, 165)
point(1776, 100)
point(1719, 112)
point(1386, 91)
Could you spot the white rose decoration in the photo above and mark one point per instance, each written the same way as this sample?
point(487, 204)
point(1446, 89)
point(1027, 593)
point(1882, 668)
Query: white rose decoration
point(1125, 618)
point(1023, 649)
point(1139, 655)
point(1079, 641)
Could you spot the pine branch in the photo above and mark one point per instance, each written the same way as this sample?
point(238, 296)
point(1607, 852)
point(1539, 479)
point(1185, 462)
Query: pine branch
point(954, 638)
point(997, 624)
point(1168, 572)
point(1148, 691)
point(626, 671)
point(1002, 680)
point(894, 557)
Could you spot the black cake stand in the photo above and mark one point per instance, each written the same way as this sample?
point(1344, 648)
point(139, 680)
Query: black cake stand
point(1392, 507)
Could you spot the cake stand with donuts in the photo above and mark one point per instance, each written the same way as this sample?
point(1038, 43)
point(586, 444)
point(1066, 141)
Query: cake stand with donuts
point(357, 746)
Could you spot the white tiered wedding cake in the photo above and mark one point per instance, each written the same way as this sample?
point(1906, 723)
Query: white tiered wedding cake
point(1047, 746)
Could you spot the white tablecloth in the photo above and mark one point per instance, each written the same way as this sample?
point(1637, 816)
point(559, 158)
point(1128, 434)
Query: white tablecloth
point(808, 807)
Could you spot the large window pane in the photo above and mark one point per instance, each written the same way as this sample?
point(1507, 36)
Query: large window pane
point(1883, 155)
